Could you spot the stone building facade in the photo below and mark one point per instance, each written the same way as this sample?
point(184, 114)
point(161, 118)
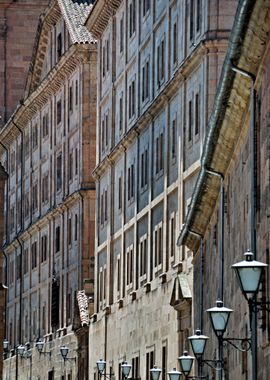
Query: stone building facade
point(18, 25)
point(48, 149)
point(158, 67)
point(3, 284)
point(228, 151)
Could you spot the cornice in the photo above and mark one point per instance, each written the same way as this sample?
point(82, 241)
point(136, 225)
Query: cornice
point(99, 16)
point(77, 54)
point(171, 87)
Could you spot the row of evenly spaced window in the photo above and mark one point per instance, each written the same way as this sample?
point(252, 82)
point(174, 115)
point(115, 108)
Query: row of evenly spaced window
point(136, 269)
point(43, 250)
point(193, 117)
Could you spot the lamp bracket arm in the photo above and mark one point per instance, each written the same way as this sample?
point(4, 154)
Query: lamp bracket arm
point(257, 306)
point(241, 344)
point(214, 364)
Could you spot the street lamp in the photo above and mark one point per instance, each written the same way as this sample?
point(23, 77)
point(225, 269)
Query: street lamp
point(198, 342)
point(5, 345)
point(155, 373)
point(174, 374)
point(186, 362)
point(219, 316)
point(249, 274)
point(39, 346)
point(125, 367)
point(23, 352)
point(64, 353)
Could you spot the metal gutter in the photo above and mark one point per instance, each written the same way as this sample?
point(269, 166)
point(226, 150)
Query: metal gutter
point(242, 17)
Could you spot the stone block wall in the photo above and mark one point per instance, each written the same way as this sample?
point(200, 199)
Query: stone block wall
point(18, 25)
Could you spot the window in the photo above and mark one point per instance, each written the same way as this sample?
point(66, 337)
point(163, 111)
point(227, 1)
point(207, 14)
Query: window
point(104, 207)
point(76, 227)
point(191, 14)
point(149, 364)
point(12, 218)
point(76, 161)
point(144, 169)
point(159, 154)
point(120, 190)
point(199, 15)
point(145, 81)
point(18, 266)
point(26, 205)
point(107, 130)
point(158, 245)
point(70, 99)
point(173, 140)
point(11, 272)
point(59, 172)
point(136, 367)
point(129, 266)
point(27, 144)
point(102, 286)
point(108, 55)
point(197, 114)
point(121, 43)
point(143, 255)
point(45, 188)
point(76, 93)
point(132, 17)
point(59, 111)
point(25, 261)
point(35, 197)
point(70, 166)
point(44, 248)
point(12, 162)
point(146, 7)
point(118, 284)
point(131, 105)
point(34, 255)
point(131, 184)
point(164, 363)
point(69, 230)
point(161, 62)
point(121, 114)
point(175, 43)
point(190, 120)
point(45, 125)
point(172, 242)
point(59, 46)
point(57, 239)
point(34, 136)
point(103, 61)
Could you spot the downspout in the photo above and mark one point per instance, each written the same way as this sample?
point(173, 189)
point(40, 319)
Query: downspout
point(253, 203)
point(221, 233)
point(6, 233)
point(201, 294)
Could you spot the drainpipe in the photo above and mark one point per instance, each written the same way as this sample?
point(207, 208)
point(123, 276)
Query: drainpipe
point(253, 201)
point(201, 293)
point(6, 233)
point(221, 257)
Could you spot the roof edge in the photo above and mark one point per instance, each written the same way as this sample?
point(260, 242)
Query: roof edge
point(241, 21)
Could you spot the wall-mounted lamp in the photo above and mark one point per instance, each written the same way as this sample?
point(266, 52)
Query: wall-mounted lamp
point(24, 352)
point(64, 353)
point(5, 345)
point(155, 372)
point(39, 346)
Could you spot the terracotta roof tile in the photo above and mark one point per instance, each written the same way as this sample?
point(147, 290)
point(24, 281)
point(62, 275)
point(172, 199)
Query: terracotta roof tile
point(83, 307)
